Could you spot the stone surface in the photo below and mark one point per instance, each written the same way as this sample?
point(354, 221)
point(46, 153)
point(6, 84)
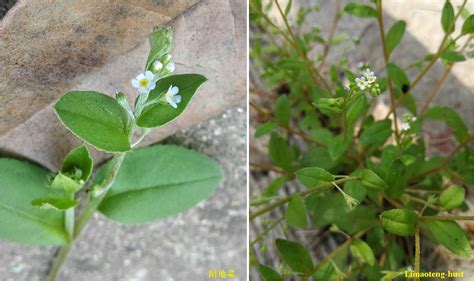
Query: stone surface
point(50, 49)
point(209, 236)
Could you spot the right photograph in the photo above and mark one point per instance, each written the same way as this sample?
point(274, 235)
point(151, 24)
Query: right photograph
point(361, 138)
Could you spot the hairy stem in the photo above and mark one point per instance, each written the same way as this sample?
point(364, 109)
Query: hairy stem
point(447, 218)
point(59, 261)
point(272, 226)
point(284, 200)
point(417, 251)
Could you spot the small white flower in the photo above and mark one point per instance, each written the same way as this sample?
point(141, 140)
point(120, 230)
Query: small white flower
point(172, 96)
point(405, 126)
point(157, 66)
point(144, 82)
point(413, 119)
point(171, 67)
point(369, 75)
point(362, 83)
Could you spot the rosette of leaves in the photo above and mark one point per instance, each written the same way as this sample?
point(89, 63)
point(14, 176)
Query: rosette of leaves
point(37, 206)
point(369, 181)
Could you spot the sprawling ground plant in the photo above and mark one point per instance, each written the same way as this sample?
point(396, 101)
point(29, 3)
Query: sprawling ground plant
point(136, 186)
point(369, 179)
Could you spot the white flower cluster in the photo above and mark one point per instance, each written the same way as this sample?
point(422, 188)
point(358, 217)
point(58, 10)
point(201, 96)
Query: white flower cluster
point(408, 119)
point(146, 82)
point(367, 82)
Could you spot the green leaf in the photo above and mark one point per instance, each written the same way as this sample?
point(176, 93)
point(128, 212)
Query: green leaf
point(468, 26)
point(363, 251)
point(452, 197)
point(452, 119)
point(274, 186)
point(356, 109)
point(56, 203)
point(395, 35)
point(280, 152)
point(78, 163)
point(295, 255)
point(339, 145)
point(372, 181)
point(269, 274)
point(398, 76)
point(399, 221)
point(453, 56)
point(313, 176)
point(283, 110)
point(296, 214)
point(265, 128)
point(158, 113)
point(288, 8)
point(447, 17)
point(158, 182)
point(65, 183)
point(396, 179)
point(360, 10)
point(330, 105)
point(20, 222)
point(377, 133)
point(161, 40)
point(450, 235)
point(95, 118)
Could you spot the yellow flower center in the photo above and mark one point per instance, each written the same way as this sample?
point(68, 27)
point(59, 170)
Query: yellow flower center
point(144, 83)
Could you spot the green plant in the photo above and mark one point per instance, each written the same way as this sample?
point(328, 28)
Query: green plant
point(136, 186)
point(370, 180)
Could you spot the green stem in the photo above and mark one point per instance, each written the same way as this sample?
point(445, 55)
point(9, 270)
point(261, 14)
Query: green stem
point(447, 218)
point(417, 251)
point(59, 261)
point(69, 222)
point(75, 229)
point(277, 222)
point(284, 200)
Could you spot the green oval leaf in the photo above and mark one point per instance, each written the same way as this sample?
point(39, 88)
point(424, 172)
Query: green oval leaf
point(372, 181)
point(452, 197)
point(159, 181)
point(280, 152)
point(396, 179)
point(95, 118)
point(398, 76)
point(296, 214)
point(363, 251)
point(450, 235)
point(453, 56)
point(356, 109)
point(56, 203)
point(295, 255)
point(157, 113)
point(312, 176)
point(265, 128)
point(269, 274)
point(360, 10)
point(399, 221)
point(283, 110)
point(78, 163)
point(377, 133)
point(447, 17)
point(468, 26)
point(395, 35)
point(21, 222)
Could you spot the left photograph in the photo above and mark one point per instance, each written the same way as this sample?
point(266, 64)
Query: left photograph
point(123, 140)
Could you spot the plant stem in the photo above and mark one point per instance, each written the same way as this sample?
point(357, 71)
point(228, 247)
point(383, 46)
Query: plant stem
point(423, 202)
point(386, 58)
point(277, 222)
point(59, 261)
point(447, 218)
point(69, 222)
point(309, 66)
point(417, 251)
point(270, 168)
point(284, 200)
point(86, 215)
point(333, 253)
